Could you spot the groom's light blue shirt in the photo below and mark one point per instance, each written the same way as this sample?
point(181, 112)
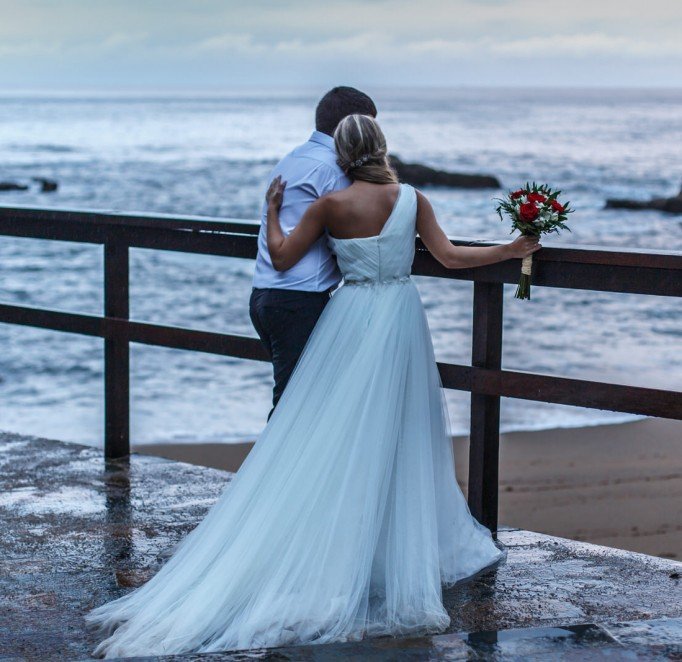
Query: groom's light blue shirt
point(310, 171)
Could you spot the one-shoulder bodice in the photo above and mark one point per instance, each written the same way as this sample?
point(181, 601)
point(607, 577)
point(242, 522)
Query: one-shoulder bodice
point(386, 257)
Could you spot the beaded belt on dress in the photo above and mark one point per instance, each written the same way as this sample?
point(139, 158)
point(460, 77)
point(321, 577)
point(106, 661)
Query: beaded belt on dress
point(367, 282)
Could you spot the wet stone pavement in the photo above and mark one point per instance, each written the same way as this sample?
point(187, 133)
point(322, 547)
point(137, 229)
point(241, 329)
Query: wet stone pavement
point(76, 532)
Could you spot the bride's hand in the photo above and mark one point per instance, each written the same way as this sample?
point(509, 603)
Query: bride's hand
point(275, 193)
point(523, 246)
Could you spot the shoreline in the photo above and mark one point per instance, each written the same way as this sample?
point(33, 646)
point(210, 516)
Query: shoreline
point(616, 484)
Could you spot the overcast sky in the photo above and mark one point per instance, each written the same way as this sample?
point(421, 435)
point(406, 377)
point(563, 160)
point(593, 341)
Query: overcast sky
point(66, 44)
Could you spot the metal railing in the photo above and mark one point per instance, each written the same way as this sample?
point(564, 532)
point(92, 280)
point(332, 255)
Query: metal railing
point(583, 268)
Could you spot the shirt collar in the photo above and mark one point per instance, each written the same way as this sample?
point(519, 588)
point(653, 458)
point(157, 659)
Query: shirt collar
point(322, 139)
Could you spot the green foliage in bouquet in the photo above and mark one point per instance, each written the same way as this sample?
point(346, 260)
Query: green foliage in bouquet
point(534, 210)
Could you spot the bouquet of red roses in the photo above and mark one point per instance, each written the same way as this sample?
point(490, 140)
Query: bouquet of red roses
point(534, 210)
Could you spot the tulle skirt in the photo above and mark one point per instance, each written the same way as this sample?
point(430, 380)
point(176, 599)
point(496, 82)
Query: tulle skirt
point(344, 521)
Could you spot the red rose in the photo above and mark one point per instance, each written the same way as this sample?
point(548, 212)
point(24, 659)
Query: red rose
point(517, 194)
point(536, 197)
point(557, 206)
point(528, 211)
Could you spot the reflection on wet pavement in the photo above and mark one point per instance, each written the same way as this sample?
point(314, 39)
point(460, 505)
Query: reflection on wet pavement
point(77, 532)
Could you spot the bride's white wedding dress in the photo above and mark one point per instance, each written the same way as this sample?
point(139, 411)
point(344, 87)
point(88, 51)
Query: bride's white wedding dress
point(345, 519)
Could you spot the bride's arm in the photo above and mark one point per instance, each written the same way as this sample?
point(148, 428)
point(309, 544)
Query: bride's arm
point(286, 250)
point(464, 257)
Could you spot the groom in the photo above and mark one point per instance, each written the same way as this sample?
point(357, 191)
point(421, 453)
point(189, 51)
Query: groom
point(286, 305)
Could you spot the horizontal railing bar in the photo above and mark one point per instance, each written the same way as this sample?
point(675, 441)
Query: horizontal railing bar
point(563, 390)
point(506, 383)
point(573, 276)
point(55, 320)
point(118, 221)
point(223, 245)
point(224, 344)
point(242, 347)
point(53, 230)
point(652, 280)
point(128, 219)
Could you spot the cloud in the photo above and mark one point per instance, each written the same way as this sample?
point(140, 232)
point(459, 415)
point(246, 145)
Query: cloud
point(372, 44)
point(228, 42)
point(89, 46)
point(359, 45)
point(120, 40)
point(586, 45)
point(448, 42)
point(33, 47)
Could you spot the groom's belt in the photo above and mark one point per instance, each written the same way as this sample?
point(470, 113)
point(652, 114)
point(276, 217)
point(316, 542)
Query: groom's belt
point(284, 292)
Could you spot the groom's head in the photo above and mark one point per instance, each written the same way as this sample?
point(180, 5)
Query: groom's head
point(338, 103)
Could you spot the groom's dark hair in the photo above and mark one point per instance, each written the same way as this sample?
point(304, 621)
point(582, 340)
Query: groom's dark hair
point(338, 103)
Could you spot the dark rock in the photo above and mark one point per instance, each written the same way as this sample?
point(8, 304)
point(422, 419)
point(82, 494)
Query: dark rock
point(12, 186)
point(46, 185)
point(421, 175)
point(673, 205)
point(669, 205)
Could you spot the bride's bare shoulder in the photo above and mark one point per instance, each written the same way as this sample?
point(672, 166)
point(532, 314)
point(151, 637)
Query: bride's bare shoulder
point(337, 197)
point(331, 203)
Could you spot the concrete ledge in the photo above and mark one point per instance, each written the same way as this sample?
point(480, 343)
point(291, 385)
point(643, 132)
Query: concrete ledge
point(77, 532)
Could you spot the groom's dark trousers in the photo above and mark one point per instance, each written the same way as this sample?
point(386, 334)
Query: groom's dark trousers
point(285, 305)
point(284, 320)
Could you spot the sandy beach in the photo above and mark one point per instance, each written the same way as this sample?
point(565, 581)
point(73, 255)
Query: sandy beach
point(616, 485)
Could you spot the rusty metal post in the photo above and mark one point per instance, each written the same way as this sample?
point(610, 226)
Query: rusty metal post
point(116, 352)
point(484, 439)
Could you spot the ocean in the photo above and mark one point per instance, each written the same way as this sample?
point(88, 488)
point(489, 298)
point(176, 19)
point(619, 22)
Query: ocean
point(210, 154)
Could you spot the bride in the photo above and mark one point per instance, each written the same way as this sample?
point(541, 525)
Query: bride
point(345, 520)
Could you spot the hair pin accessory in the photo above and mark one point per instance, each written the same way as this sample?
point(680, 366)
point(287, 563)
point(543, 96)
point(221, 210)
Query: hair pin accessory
point(361, 161)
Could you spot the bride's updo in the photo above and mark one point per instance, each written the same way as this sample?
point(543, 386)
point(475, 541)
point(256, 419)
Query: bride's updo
point(361, 149)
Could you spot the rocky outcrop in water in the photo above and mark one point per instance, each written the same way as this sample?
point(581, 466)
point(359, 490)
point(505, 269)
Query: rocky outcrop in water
point(12, 186)
point(421, 175)
point(669, 205)
point(46, 185)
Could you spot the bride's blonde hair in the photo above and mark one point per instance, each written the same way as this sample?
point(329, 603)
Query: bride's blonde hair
point(361, 150)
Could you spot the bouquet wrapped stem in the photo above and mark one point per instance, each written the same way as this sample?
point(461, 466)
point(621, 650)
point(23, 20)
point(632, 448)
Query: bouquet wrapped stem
point(523, 288)
point(534, 210)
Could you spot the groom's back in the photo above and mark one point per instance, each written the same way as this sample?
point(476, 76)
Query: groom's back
point(310, 171)
point(285, 306)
